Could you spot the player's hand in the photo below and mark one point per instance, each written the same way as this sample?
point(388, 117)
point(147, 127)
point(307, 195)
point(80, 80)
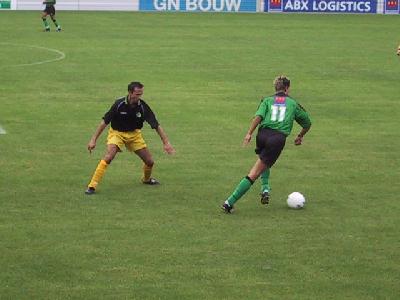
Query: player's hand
point(247, 139)
point(298, 141)
point(169, 149)
point(398, 50)
point(91, 146)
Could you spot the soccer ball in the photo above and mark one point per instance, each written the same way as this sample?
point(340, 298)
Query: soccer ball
point(296, 200)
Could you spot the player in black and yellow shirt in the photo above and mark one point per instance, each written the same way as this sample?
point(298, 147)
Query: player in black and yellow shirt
point(127, 116)
point(50, 10)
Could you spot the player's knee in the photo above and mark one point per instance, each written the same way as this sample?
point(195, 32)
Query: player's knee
point(108, 158)
point(149, 162)
point(252, 177)
point(254, 174)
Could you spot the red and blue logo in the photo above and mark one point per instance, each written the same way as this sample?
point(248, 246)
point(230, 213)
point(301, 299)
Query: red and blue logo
point(274, 5)
point(279, 100)
point(391, 6)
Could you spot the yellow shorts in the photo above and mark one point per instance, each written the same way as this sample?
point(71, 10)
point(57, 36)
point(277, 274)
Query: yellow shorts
point(132, 140)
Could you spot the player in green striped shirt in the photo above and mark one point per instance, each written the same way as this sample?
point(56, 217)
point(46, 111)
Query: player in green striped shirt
point(274, 118)
point(50, 10)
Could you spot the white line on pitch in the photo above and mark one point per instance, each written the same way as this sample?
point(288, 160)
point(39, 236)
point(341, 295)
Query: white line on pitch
point(60, 57)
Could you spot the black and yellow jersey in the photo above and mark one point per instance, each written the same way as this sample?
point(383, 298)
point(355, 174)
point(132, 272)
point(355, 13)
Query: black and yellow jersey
point(126, 117)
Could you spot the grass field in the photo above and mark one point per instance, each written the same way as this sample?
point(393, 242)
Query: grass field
point(204, 75)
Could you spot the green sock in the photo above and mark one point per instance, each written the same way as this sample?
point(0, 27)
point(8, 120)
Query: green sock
point(265, 180)
point(241, 189)
point(46, 24)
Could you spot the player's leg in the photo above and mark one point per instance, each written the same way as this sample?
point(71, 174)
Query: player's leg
point(257, 169)
point(44, 19)
point(262, 142)
point(53, 18)
point(56, 24)
point(135, 143)
point(265, 180)
point(265, 187)
point(244, 185)
point(98, 174)
point(269, 147)
point(148, 161)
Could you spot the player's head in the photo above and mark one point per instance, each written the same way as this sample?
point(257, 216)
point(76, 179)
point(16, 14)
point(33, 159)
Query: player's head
point(134, 85)
point(135, 91)
point(281, 83)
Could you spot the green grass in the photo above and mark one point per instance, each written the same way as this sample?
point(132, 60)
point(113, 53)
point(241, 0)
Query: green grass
point(204, 75)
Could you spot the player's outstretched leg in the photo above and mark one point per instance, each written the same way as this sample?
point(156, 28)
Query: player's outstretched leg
point(241, 189)
point(97, 175)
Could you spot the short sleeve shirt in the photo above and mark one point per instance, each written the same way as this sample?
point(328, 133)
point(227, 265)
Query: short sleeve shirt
point(280, 111)
point(125, 117)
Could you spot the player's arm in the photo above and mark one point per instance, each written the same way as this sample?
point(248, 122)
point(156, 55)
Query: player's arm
point(254, 123)
point(97, 133)
point(150, 118)
point(164, 138)
point(259, 115)
point(103, 124)
point(299, 138)
point(303, 119)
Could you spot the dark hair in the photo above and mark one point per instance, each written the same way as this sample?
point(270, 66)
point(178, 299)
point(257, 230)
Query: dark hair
point(281, 83)
point(134, 85)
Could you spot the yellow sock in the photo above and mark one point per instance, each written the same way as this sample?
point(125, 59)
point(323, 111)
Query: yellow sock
point(98, 174)
point(146, 172)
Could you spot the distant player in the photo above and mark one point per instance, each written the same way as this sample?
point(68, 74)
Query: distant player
point(127, 116)
point(274, 118)
point(50, 11)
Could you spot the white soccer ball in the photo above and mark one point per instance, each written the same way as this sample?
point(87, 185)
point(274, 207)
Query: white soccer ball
point(296, 200)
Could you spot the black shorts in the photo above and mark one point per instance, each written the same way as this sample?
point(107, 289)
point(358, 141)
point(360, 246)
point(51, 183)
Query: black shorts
point(50, 10)
point(269, 145)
